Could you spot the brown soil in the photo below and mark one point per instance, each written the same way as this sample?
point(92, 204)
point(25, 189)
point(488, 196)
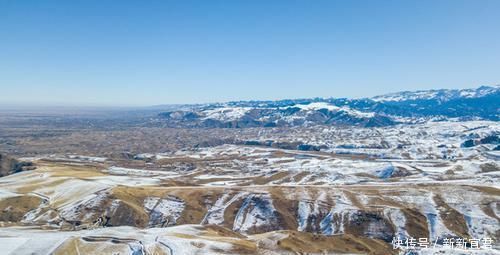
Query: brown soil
point(14, 208)
point(300, 242)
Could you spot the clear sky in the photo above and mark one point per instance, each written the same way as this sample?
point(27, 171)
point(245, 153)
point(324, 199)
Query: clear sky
point(122, 53)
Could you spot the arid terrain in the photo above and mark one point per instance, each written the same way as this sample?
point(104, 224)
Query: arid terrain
point(122, 182)
point(275, 127)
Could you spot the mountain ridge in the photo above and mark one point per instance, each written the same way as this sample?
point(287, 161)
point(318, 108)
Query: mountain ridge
point(383, 110)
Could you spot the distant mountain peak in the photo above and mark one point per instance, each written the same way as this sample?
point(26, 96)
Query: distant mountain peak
point(437, 94)
point(478, 103)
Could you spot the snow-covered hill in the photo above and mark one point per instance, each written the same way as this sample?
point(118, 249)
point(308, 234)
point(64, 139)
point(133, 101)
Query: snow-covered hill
point(307, 190)
point(384, 110)
point(304, 114)
point(439, 94)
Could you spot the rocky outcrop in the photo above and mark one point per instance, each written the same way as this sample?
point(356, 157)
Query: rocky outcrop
point(10, 165)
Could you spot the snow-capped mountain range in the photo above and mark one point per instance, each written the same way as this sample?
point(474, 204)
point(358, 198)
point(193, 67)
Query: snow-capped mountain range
point(442, 95)
point(384, 110)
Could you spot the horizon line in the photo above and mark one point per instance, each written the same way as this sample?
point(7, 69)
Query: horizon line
point(29, 106)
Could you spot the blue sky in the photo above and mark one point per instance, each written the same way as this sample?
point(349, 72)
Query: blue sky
point(159, 52)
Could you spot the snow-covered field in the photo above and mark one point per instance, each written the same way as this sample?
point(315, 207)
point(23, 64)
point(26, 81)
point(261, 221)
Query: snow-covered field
point(433, 180)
